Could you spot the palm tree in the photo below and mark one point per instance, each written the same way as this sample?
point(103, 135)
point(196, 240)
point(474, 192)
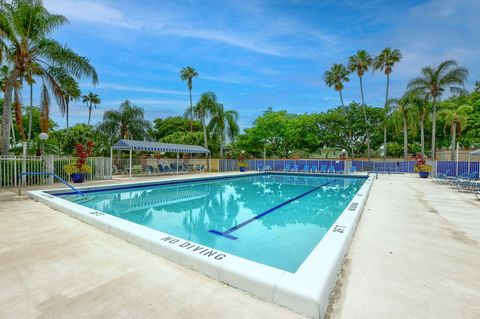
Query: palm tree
point(403, 106)
point(223, 124)
point(360, 63)
point(203, 109)
point(187, 74)
point(91, 100)
point(434, 81)
point(126, 123)
point(25, 29)
point(456, 116)
point(421, 108)
point(385, 62)
point(71, 92)
point(335, 77)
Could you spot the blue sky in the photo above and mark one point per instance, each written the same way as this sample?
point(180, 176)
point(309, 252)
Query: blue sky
point(255, 54)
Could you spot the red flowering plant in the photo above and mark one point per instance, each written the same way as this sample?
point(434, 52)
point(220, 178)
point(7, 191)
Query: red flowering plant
point(82, 152)
point(420, 165)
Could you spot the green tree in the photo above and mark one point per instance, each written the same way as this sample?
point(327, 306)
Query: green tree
point(187, 74)
point(385, 62)
point(403, 109)
point(91, 100)
point(71, 92)
point(167, 126)
point(25, 29)
point(223, 125)
point(360, 63)
point(189, 138)
point(203, 109)
point(455, 115)
point(126, 123)
point(335, 77)
point(434, 81)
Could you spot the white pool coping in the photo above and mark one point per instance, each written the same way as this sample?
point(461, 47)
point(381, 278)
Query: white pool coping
point(306, 291)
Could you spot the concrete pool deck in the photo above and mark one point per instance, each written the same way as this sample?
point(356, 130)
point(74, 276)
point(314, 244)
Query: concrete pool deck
point(415, 254)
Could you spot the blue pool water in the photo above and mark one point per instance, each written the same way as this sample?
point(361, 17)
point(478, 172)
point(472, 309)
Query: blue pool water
point(298, 212)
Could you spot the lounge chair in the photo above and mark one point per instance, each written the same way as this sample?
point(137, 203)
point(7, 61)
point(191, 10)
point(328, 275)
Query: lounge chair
point(306, 169)
point(149, 170)
point(323, 168)
point(287, 168)
point(268, 168)
point(331, 169)
point(295, 168)
point(353, 169)
point(314, 169)
point(477, 195)
point(117, 171)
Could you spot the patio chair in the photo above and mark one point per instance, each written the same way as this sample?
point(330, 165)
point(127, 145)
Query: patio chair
point(331, 169)
point(306, 169)
point(287, 168)
point(268, 168)
point(353, 169)
point(295, 168)
point(323, 168)
point(477, 195)
point(314, 169)
point(149, 170)
point(117, 171)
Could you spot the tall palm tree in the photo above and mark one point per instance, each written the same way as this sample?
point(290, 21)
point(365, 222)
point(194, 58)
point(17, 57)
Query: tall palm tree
point(203, 109)
point(126, 123)
point(71, 92)
point(434, 81)
point(403, 107)
point(91, 100)
point(223, 124)
point(385, 62)
point(335, 77)
point(421, 108)
point(25, 29)
point(360, 63)
point(187, 74)
point(456, 116)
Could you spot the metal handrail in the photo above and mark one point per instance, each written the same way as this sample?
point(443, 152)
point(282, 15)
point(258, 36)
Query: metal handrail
point(46, 173)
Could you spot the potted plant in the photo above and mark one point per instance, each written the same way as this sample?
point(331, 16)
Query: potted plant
point(421, 167)
point(242, 165)
point(79, 168)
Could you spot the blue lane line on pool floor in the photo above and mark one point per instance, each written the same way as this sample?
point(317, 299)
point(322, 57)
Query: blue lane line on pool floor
point(226, 233)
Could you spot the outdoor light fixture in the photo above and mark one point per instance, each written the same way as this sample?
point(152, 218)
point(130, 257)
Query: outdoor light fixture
point(43, 137)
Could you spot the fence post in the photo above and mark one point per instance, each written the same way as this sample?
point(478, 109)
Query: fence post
point(50, 169)
point(15, 171)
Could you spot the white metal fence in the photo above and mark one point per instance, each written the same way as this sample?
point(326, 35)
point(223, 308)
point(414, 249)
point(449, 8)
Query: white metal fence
point(12, 166)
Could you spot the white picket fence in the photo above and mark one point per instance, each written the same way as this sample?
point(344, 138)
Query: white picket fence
point(12, 166)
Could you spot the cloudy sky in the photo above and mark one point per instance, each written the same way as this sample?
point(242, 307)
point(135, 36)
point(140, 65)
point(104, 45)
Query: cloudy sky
point(255, 54)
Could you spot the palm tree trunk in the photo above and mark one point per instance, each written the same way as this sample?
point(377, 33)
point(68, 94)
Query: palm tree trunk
point(205, 142)
point(434, 125)
point(220, 139)
point(191, 111)
point(66, 109)
point(454, 136)
point(385, 124)
point(365, 116)
point(422, 135)
point(7, 114)
point(30, 114)
point(89, 114)
point(352, 153)
point(405, 138)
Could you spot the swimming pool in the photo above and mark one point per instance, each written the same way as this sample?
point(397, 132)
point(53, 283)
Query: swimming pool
point(273, 235)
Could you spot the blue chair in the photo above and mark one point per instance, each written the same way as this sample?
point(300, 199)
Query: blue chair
point(287, 168)
point(331, 169)
point(160, 169)
point(306, 169)
point(353, 169)
point(323, 168)
point(314, 169)
point(259, 168)
point(295, 168)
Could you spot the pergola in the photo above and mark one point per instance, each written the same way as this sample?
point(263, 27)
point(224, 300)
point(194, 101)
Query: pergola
point(474, 154)
point(132, 145)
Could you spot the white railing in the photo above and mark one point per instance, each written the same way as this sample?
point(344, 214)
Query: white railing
point(153, 166)
point(12, 166)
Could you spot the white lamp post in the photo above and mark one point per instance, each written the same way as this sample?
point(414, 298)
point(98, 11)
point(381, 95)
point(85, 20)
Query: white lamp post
point(43, 137)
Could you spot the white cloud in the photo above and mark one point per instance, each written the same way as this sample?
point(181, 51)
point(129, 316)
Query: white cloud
point(130, 88)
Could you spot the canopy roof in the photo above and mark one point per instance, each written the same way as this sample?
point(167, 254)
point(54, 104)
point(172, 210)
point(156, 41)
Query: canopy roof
point(476, 153)
point(158, 147)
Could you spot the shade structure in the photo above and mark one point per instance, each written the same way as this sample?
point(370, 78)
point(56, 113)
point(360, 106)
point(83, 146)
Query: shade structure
point(132, 145)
